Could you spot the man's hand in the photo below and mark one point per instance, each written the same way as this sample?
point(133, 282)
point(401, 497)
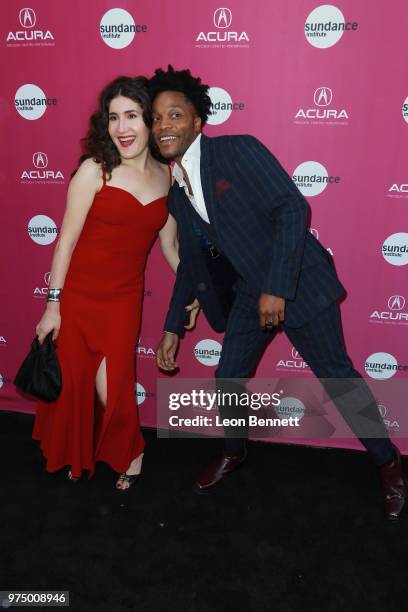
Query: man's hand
point(193, 309)
point(166, 352)
point(271, 310)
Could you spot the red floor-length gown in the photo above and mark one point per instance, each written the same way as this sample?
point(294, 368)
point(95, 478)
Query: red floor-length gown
point(100, 317)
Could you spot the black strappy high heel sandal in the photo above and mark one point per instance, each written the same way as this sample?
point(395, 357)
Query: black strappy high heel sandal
point(130, 479)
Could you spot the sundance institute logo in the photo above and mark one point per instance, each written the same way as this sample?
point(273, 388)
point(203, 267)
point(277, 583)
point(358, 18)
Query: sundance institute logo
point(381, 366)
point(141, 394)
point(405, 109)
point(395, 249)
point(325, 26)
point(31, 102)
point(208, 352)
point(312, 178)
point(118, 28)
point(42, 229)
point(221, 106)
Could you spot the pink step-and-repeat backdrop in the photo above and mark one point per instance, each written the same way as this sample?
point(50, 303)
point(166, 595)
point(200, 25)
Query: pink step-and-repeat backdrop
point(325, 87)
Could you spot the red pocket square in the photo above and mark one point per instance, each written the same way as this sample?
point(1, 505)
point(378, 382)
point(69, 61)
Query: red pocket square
point(221, 185)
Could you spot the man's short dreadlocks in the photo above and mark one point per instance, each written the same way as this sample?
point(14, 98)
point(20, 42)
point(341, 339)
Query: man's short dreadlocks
point(184, 82)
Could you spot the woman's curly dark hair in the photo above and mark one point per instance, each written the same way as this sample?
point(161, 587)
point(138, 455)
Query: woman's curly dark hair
point(97, 144)
point(184, 82)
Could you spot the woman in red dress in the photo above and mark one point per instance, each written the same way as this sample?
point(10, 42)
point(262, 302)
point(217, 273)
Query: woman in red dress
point(116, 207)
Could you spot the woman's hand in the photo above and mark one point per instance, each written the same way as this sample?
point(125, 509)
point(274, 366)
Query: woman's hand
point(50, 321)
point(193, 309)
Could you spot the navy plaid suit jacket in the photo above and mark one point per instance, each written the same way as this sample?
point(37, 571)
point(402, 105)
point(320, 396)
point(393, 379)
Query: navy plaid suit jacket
point(260, 219)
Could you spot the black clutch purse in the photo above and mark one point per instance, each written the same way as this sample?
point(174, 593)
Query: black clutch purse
point(40, 373)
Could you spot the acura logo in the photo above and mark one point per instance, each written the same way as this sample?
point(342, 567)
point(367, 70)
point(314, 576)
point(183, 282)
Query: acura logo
point(47, 278)
point(295, 354)
point(222, 18)
point(27, 18)
point(323, 96)
point(396, 302)
point(40, 160)
point(383, 410)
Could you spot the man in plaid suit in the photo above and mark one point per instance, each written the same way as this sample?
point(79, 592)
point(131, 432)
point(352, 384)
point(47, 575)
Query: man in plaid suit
point(246, 254)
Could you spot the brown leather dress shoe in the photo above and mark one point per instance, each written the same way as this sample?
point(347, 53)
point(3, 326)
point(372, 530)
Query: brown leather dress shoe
point(395, 486)
point(217, 471)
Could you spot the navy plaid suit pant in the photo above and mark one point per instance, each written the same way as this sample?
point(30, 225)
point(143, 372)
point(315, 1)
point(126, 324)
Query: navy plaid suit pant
point(320, 343)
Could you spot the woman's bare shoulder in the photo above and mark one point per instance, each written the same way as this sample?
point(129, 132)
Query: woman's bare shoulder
point(90, 168)
point(89, 171)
